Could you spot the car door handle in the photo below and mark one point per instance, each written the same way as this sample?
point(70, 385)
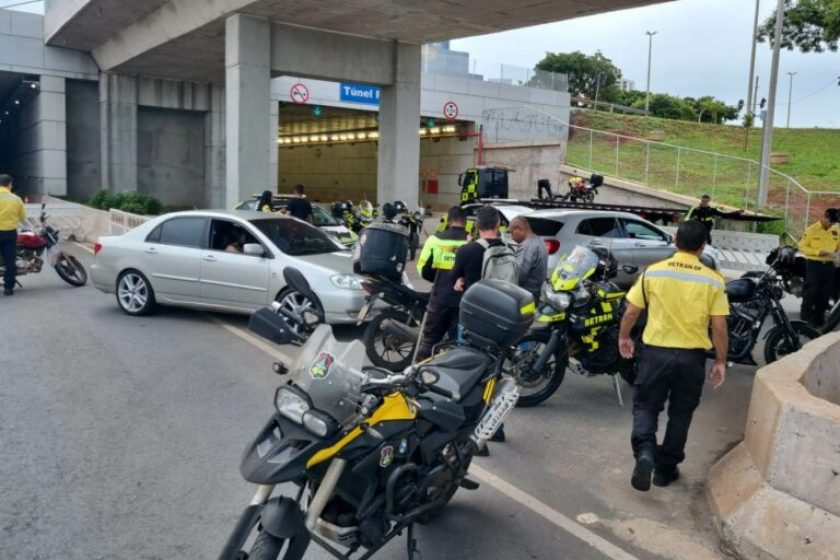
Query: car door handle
point(639, 245)
point(209, 258)
point(150, 250)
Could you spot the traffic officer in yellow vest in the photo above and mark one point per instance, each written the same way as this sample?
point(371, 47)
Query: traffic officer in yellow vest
point(435, 265)
point(12, 213)
point(682, 296)
point(819, 244)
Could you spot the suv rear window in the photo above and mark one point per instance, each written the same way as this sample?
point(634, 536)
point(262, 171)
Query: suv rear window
point(545, 227)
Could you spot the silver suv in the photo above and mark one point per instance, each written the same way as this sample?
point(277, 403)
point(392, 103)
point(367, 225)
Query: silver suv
point(630, 238)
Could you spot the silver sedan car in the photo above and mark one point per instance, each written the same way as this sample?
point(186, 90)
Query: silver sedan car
point(229, 261)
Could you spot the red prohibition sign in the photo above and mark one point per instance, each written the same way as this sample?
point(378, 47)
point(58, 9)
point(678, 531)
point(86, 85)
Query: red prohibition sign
point(299, 94)
point(450, 110)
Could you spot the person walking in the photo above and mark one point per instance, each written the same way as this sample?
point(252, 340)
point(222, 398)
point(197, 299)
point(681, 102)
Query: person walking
point(682, 297)
point(435, 265)
point(12, 212)
point(705, 213)
point(299, 207)
point(531, 254)
point(819, 244)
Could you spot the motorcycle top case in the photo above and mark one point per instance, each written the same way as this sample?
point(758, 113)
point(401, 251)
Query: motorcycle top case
point(497, 311)
point(382, 251)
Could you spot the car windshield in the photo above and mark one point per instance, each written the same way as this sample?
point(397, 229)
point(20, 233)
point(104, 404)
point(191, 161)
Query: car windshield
point(296, 238)
point(321, 217)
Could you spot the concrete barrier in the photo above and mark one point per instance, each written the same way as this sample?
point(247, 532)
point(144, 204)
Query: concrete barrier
point(777, 494)
point(83, 222)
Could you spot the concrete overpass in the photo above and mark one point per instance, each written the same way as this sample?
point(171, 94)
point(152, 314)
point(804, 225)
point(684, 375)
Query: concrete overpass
point(242, 44)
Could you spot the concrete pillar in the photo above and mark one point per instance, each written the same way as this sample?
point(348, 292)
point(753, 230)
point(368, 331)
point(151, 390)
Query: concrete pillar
point(247, 92)
point(215, 151)
point(273, 133)
point(398, 163)
point(51, 127)
point(118, 131)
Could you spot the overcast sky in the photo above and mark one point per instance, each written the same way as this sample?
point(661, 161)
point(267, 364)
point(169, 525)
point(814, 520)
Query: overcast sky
point(702, 48)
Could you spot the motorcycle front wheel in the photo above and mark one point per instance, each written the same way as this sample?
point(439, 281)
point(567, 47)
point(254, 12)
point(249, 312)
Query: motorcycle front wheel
point(386, 350)
point(536, 386)
point(266, 547)
point(71, 270)
point(778, 345)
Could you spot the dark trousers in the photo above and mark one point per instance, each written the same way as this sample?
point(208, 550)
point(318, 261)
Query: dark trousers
point(8, 241)
point(819, 280)
point(673, 375)
point(440, 320)
point(547, 188)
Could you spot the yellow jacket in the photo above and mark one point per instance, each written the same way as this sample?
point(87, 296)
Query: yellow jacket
point(818, 239)
point(12, 211)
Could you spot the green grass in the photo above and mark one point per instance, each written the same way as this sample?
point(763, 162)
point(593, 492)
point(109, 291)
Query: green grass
point(814, 159)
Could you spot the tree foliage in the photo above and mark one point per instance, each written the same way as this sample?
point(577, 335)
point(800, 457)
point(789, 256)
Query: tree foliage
point(584, 72)
point(705, 109)
point(810, 25)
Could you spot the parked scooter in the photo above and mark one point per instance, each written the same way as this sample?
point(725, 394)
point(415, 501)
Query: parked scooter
point(371, 453)
point(31, 247)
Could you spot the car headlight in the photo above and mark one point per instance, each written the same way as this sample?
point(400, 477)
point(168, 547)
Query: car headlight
point(347, 281)
point(558, 300)
point(291, 404)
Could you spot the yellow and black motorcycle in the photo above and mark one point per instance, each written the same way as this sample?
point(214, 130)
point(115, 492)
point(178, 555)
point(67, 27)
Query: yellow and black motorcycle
point(365, 453)
point(576, 327)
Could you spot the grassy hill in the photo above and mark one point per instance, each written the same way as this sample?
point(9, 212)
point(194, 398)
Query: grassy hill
point(814, 158)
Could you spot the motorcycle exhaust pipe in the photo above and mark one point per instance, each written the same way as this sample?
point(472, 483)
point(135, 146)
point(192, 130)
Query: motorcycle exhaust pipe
point(400, 330)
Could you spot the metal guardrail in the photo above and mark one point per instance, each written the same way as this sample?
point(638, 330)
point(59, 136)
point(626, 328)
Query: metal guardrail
point(674, 168)
point(121, 222)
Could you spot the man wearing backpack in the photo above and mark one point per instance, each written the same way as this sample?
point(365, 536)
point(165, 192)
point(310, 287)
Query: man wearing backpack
point(486, 257)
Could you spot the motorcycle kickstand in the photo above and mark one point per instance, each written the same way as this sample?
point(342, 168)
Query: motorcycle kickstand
point(618, 390)
point(413, 553)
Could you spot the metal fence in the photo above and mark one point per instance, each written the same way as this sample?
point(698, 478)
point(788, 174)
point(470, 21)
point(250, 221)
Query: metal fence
point(727, 179)
point(121, 222)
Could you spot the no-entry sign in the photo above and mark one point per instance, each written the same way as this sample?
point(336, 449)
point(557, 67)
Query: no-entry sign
point(299, 94)
point(450, 110)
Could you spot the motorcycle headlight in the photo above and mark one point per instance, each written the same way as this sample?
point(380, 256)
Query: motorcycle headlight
point(347, 281)
point(319, 423)
point(291, 404)
point(558, 300)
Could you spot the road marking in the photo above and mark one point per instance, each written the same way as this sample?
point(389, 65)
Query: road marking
point(83, 246)
point(549, 514)
point(521, 497)
point(248, 337)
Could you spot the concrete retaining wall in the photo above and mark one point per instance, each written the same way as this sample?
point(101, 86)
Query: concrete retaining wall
point(777, 494)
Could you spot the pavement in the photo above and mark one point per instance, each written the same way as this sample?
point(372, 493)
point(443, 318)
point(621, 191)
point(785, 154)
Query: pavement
point(120, 438)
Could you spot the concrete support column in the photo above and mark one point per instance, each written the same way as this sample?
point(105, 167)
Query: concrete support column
point(247, 92)
point(118, 131)
point(51, 131)
point(214, 149)
point(398, 163)
point(273, 132)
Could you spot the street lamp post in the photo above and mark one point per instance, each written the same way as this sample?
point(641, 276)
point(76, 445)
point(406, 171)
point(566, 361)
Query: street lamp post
point(753, 41)
point(767, 138)
point(650, 35)
point(790, 96)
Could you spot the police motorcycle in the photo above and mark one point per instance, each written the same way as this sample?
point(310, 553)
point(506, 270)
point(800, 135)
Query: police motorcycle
point(752, 299)
point(391, 335)
point(345, 211)
point(367, 213)
point(363, 455)
point(576, 327)
point(413, 222)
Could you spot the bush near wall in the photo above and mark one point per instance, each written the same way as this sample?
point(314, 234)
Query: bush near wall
point(135, 203)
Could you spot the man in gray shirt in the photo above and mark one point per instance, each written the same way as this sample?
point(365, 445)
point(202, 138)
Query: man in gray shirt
point(531, 254)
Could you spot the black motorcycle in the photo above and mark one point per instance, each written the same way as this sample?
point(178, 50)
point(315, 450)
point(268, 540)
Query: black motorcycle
point(358, 456)
point(391, 336)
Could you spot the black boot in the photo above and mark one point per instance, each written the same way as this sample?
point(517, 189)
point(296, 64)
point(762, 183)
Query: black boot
point(665, 476)
point(643, 470)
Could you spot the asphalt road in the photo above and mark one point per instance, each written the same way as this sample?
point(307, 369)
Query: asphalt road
point(120, 438)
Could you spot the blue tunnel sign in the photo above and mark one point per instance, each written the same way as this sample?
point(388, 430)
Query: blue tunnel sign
point(358, 93)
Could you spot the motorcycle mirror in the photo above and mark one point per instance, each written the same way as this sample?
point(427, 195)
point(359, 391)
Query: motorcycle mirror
point(429, 377)
point(297, 281)
point(271, 326)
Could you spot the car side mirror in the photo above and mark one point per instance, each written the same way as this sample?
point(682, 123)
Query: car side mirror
point(669, 239)
point(630, 268)
point(253, 249)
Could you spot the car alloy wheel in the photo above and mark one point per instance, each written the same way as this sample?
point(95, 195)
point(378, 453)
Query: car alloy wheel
point(133, 292)
point(297, 303)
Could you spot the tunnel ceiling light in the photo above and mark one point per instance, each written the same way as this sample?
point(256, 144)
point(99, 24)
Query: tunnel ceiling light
point(435, 130)
point(423, 132)
point(324, 138)
point(373, 135)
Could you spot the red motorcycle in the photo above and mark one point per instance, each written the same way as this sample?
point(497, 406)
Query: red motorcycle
point(580, 189)
point(31, 246)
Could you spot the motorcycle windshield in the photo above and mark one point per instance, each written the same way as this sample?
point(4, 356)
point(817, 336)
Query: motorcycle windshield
point(330, 373)
point(573, 268)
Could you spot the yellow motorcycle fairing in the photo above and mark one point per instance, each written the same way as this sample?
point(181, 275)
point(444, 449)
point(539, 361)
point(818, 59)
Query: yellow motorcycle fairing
point(551, 318)
point(394, 407)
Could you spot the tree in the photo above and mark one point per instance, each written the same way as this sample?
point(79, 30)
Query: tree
point(584, 72)
point(669, 107)
point(810, 25)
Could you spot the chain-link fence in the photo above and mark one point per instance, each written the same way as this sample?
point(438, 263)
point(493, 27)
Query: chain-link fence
point(727, 179)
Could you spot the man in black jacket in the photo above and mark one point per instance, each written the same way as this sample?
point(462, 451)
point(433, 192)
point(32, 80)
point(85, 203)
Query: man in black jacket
point(435, 265)
point(705, 213)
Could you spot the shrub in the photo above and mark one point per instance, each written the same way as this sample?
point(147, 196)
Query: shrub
point(135, 203)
